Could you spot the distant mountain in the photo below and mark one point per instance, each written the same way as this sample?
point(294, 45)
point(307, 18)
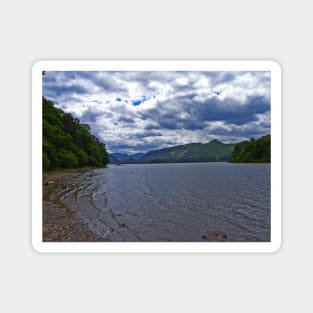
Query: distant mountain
point(113, 159)
point(137, 156)
point(125, 158)
point(253, 151)
point(214, 151)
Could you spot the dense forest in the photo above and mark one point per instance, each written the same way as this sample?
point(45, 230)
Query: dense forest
point(253, 151)
point(67, 143)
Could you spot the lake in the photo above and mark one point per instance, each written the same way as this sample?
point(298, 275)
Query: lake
point(174, 202)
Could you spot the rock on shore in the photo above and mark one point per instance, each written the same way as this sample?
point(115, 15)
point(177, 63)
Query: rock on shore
point(60, 223)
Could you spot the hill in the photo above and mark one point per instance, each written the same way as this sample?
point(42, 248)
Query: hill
point(253, 151)
point(125, 158)
point(67, 143)
point(214, 151)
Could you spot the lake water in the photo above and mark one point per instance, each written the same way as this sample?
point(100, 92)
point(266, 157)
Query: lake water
point(174, 202)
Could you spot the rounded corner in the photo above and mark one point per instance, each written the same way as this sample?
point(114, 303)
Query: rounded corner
point(37, 66)
point(276, 65)
point(276, 247)
point(37, 247)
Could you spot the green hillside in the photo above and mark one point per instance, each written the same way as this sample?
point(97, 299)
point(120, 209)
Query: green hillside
point(67, 143)
point(214, 151)
point(254, 151)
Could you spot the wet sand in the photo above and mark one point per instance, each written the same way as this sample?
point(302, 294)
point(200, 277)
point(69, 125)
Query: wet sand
point(61, 223)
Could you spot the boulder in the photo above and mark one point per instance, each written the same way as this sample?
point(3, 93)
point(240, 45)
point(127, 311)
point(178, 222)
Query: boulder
point(214, 235)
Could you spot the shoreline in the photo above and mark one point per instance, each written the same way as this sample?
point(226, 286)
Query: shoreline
point(63, 173)
point(59, 222)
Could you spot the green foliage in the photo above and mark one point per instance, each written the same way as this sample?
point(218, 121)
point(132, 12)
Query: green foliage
point(67, 143)
point(253, 151)
point(45, 161)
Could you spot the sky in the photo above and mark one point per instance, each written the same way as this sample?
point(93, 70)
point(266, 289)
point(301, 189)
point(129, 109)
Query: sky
point(135, 112)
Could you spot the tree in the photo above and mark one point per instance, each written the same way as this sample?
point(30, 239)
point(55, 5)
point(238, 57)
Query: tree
point(67, 143)
point(254, 151)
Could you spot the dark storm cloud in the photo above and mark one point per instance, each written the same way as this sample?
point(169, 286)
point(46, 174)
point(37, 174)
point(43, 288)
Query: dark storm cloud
point(229, 110)
point(145, 134)
point(232, 111)
point(75, 82)
point(127, 120)
point(140, 111)
point(90, 116)
point(67, 90)
point(106, 83)
point(152, 126)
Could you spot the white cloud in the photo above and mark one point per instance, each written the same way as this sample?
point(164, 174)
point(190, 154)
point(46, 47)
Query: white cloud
point(172, 107)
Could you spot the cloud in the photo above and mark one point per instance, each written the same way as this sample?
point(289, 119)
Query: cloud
point(139, 111)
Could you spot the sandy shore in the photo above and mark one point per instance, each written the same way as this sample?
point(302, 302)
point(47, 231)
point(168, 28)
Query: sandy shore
point(61, 223)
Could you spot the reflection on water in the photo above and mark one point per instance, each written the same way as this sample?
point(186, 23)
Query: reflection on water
point(174, 202)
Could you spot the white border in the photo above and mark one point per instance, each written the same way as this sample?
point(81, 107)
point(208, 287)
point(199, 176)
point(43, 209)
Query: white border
point(157, 247)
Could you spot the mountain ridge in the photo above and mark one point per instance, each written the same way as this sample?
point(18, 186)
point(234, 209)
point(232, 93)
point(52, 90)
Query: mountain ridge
point(253, 151)
point(213, 151)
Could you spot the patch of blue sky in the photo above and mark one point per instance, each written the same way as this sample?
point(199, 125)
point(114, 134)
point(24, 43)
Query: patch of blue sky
point(136, 102)
point(142, 100)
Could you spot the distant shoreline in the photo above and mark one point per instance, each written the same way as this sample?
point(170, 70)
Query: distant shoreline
point(208, 162)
